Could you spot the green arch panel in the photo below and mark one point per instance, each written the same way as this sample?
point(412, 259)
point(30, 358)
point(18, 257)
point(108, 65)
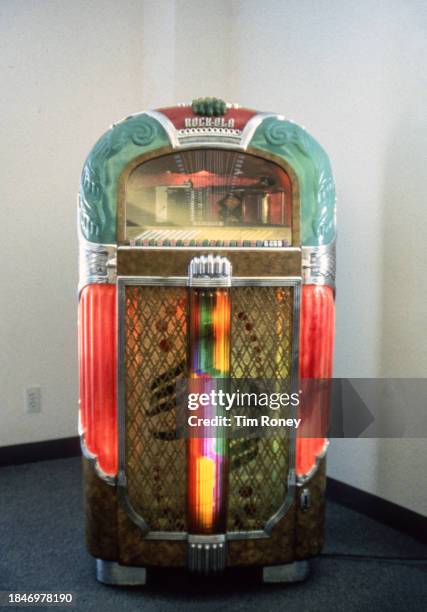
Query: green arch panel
point(140, 134)
point(126, 140)
point(313, 170)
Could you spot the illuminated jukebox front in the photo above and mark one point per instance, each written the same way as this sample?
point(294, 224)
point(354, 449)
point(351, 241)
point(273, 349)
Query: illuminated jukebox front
point(206, 256)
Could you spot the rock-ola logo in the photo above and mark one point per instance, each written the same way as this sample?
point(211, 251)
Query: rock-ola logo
point(202, 122)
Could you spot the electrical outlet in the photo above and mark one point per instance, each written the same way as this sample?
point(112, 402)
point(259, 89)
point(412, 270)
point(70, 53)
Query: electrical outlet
point(33, 399)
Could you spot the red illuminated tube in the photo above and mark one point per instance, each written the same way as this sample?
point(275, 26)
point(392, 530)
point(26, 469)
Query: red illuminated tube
point(316, 361)
point(98, 377)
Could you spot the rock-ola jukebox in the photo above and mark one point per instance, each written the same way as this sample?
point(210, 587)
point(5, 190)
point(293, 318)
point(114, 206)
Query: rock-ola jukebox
point(207, 255)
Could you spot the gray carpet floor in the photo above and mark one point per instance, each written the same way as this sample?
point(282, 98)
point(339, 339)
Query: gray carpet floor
point(42, 549)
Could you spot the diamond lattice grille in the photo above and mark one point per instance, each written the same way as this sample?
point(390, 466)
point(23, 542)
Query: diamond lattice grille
point(155, 357)
point(260, 348)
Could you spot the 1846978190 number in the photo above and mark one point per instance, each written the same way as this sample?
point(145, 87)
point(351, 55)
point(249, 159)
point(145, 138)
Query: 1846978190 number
point(39, 598)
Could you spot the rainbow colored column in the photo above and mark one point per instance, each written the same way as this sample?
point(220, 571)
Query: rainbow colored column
point(207, 454)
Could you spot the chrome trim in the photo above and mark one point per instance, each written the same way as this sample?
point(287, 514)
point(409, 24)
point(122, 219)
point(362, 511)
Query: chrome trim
point(209, 271)
point(210, 248)
point(215, 143)
point(85, 451)
point(280, 513)
point(304, 478)
point(111, 572)
point(157, 281)
point(208, 136)
point(97, 263)
point(110, 480)
point(207, 554)
point(236, 281)
point(265, 281)
point(93, 459)
point(79, 420)
point(167, 535)
point(252, 125)
point(166, 124)
point(318, 264)
point(122, 496)
point(257, 534)
point(289, 572)
point(210, 282)
point(290, 494)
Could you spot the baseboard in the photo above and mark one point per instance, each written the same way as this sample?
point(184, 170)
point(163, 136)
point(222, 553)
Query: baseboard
point(39, 451)
point(381, 510)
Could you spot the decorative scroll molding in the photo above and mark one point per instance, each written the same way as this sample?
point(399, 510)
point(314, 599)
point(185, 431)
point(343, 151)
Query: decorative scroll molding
point(318, 265)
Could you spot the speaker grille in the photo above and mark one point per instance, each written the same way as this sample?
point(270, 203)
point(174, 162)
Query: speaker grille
point(261, 347)
point(155, 358)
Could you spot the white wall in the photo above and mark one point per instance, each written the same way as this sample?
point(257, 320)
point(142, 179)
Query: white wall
point(68, 70)
point(350, 72)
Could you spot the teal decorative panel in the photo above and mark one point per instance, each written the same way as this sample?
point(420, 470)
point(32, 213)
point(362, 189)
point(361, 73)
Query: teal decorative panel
point(313, 170)
point(126, 140)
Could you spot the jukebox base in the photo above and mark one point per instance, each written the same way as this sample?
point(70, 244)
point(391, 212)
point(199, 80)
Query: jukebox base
point(110, 572)
point(297, 571)
point(113, 537)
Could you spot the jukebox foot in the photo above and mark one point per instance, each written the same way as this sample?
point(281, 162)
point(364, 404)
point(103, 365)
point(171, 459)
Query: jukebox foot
point(110, 572)
point(290, 572)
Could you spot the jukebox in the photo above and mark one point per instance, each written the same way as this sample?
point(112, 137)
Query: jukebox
point(207, 237)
